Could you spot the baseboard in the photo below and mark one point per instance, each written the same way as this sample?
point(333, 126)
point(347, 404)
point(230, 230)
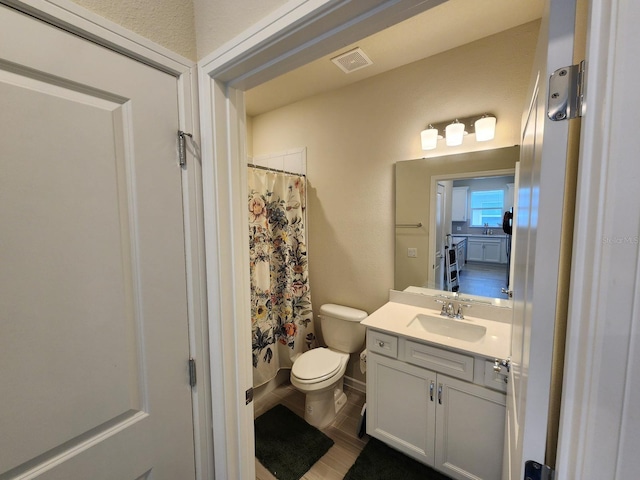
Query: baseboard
point(355, 384)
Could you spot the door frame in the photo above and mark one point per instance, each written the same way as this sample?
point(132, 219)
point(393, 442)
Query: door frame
point(293, 35)
point(598, 428)
point(267, 50)
point(75, 19)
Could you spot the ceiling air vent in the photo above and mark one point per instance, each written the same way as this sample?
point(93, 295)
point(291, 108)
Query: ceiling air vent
point(352, 60)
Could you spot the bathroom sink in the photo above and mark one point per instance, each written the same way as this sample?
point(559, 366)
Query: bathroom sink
point(448, 327)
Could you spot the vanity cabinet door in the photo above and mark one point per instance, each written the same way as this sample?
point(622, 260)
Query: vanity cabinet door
point(492, 251)
point(470, 430)
point(401, 406)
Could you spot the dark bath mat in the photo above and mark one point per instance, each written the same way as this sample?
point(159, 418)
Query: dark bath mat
point(378, 461)
point(287, 445)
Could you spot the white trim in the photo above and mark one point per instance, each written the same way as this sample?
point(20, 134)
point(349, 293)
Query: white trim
point(196, 278)
point(293, 160)
point(597, 411)
point(355, 384)
point(233, 444)
point(301, 31)
point(71, 17)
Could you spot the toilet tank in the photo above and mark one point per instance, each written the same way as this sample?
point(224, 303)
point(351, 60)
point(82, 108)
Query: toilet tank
point(341, 328)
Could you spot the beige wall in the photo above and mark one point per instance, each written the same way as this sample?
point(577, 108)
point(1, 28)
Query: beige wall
point(355, 135)
point(169, 23)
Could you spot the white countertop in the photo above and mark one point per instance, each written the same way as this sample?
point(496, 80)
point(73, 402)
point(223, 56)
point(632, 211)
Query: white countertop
point(395, 317)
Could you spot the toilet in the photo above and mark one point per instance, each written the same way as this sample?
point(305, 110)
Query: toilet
point(319, 373)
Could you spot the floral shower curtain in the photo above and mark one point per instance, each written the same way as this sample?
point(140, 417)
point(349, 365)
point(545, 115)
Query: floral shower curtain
point(281, 316)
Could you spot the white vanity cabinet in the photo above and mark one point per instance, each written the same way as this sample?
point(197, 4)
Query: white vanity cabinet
point(435, 406)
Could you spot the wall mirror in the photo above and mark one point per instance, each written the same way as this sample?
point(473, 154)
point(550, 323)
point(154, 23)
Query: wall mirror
point(456, 201)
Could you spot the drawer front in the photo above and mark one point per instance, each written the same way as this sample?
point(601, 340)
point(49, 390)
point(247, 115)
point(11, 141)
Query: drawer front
point(493, 379)
point(442, 361)
point(382, 343)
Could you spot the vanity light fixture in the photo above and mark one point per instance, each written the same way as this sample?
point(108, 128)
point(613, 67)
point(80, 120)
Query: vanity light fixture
point(483, 126)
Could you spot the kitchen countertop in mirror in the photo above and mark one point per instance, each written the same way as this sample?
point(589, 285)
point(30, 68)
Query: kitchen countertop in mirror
point(479, 336)
point(481, 235)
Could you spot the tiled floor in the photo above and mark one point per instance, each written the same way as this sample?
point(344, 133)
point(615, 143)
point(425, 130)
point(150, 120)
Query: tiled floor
point(483, 279)
point(337, 461)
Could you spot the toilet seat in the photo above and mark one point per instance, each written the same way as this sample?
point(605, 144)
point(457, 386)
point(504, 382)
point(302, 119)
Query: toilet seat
point(316, 365)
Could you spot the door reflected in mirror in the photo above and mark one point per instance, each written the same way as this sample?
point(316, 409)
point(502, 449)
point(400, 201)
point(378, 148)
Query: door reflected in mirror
point(450, 212)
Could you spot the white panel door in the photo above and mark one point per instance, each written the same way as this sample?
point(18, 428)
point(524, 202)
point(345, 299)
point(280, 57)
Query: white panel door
point(469, 430)
point(401, 408)
point(541, 185)
point(93, 327)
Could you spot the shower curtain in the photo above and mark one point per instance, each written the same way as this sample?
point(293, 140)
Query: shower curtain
point(281, 316)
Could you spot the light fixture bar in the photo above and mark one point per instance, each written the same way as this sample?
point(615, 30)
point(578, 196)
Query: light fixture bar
point(484, 129)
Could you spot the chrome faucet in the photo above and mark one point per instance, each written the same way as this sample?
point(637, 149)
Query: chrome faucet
point(448, 308)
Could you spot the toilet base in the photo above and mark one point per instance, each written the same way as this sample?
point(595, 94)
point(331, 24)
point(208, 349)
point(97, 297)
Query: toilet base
point(322, 407)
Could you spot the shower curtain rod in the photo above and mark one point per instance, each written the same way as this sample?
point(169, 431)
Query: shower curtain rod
point(260, 167)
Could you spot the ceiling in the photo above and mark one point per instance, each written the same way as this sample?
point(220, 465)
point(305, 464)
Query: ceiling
point(449, 25)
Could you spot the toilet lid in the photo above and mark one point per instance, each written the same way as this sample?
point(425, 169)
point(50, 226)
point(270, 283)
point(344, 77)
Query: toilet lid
point(319, 363)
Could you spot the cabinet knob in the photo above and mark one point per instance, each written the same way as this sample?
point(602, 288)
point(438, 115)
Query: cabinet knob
point(380, 343)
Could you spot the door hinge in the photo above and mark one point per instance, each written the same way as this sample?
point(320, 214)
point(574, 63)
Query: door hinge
point(192, 372)
point(182, 147)
point(248, 396)
point(536, 471)
point(566, 92)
